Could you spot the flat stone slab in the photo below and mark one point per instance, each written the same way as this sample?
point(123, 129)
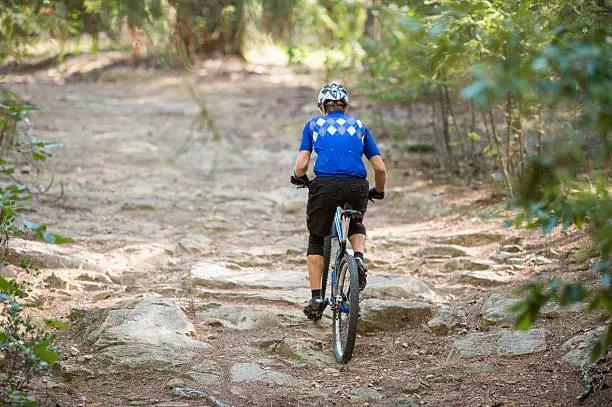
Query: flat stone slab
point(444, 251)
point(153, 321)
point(251, 372)
point(214, 275)
point(578, 349)
point(485, 278)
point(296, 297)
point(469, 264)
point(250, 317)
point(446, 321)
point(380, 315)
point(505, 343)
point(65, 256)
point(207, 372)
point(145, 334)
point(468, 238)
point(308, 351)
point(194, 243)
point(364, 393)
point(495, 310)
point(132, 359)
point(398, 287)
point(502, 257)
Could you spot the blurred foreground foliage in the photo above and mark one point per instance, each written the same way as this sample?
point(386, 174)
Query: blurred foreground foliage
point(25, 348)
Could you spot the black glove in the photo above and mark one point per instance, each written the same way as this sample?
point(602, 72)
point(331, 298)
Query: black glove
point(374, 194)
point(302, 181)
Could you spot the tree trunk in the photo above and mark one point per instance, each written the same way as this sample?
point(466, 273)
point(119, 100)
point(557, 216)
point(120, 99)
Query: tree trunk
point(131, 28)
point(509, 133)
point(370, 22)
point(445, 129)
point(500, 153)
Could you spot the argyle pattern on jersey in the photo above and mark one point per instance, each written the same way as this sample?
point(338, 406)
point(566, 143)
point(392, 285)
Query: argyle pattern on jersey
point(322, 127)
point(340, 141)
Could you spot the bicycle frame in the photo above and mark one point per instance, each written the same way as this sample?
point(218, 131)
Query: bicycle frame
point(339, 231)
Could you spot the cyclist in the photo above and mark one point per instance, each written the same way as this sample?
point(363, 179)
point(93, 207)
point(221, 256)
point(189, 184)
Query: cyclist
point(340, 141)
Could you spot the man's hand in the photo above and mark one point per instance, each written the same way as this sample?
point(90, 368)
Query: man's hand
point(302, 181)
point(374, 194)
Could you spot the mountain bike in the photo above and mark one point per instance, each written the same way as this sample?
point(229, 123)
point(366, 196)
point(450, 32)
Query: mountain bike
point(344, 283)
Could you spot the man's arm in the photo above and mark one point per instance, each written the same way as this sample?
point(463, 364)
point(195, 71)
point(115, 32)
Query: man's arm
point(380, 173)
point(301, 165)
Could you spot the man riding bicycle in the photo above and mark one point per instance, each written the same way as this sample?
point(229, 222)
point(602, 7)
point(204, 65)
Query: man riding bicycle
point(339, 141)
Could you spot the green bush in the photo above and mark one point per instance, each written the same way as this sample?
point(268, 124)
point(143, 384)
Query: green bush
point(25, 350)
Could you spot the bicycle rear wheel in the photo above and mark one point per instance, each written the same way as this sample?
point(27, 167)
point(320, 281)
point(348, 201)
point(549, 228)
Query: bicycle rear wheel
point(346, 311)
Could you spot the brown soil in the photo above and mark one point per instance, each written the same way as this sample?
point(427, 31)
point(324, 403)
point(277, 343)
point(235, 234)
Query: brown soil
point(131, 141)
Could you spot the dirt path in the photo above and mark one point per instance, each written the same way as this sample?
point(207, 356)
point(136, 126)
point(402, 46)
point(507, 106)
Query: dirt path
point(206, 239)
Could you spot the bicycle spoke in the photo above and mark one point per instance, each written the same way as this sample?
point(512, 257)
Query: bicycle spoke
point(346, 309)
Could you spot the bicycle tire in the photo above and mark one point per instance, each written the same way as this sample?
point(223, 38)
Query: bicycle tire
point(345, 323)
point(326, 263)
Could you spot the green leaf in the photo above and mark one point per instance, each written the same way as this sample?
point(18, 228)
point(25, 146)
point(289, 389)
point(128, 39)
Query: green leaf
point(596, 351)
point(55, 239)
point(473, 90)
point(578, 219)
point(550, 224)
point(45, 354)
point(31, 225)
point(56, 323)
point(524, 320)
point(38, 156)
point(539, 64)
point(572, 294)
point(475, 136)
point(519, 220)
point(4, 284)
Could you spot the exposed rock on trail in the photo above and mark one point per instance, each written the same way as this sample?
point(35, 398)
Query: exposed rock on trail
point(505, 343)
point(468, 238)
point(214, 275)
point(252, 372)
point(249, 317)
point(394, 286)
point(578, 348)
point(384, 315)
point(145, 334)
point(444, 251)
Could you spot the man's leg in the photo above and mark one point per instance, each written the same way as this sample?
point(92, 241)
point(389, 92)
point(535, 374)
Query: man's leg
point(357, 242)
point(358, 198)
point(315, 261)
point(319, 218)
point(315, 271)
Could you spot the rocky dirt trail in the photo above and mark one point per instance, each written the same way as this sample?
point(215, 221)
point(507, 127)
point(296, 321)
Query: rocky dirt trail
point(186, 277)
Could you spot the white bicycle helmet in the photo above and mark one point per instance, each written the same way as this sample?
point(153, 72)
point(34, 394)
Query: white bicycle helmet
point(332, 92)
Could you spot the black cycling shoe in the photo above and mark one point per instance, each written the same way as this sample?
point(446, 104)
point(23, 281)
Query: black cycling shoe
point(362, 272)
point(314, 309)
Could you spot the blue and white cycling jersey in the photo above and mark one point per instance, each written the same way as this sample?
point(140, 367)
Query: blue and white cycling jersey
point(339, 141)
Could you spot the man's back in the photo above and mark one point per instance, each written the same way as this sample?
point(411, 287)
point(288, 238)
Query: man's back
point(340, 141)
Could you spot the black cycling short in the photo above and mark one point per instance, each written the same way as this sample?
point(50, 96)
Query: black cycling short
point(327, 193)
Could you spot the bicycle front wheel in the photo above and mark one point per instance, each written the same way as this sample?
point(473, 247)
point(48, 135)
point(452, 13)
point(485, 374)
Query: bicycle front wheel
point(346, 310)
